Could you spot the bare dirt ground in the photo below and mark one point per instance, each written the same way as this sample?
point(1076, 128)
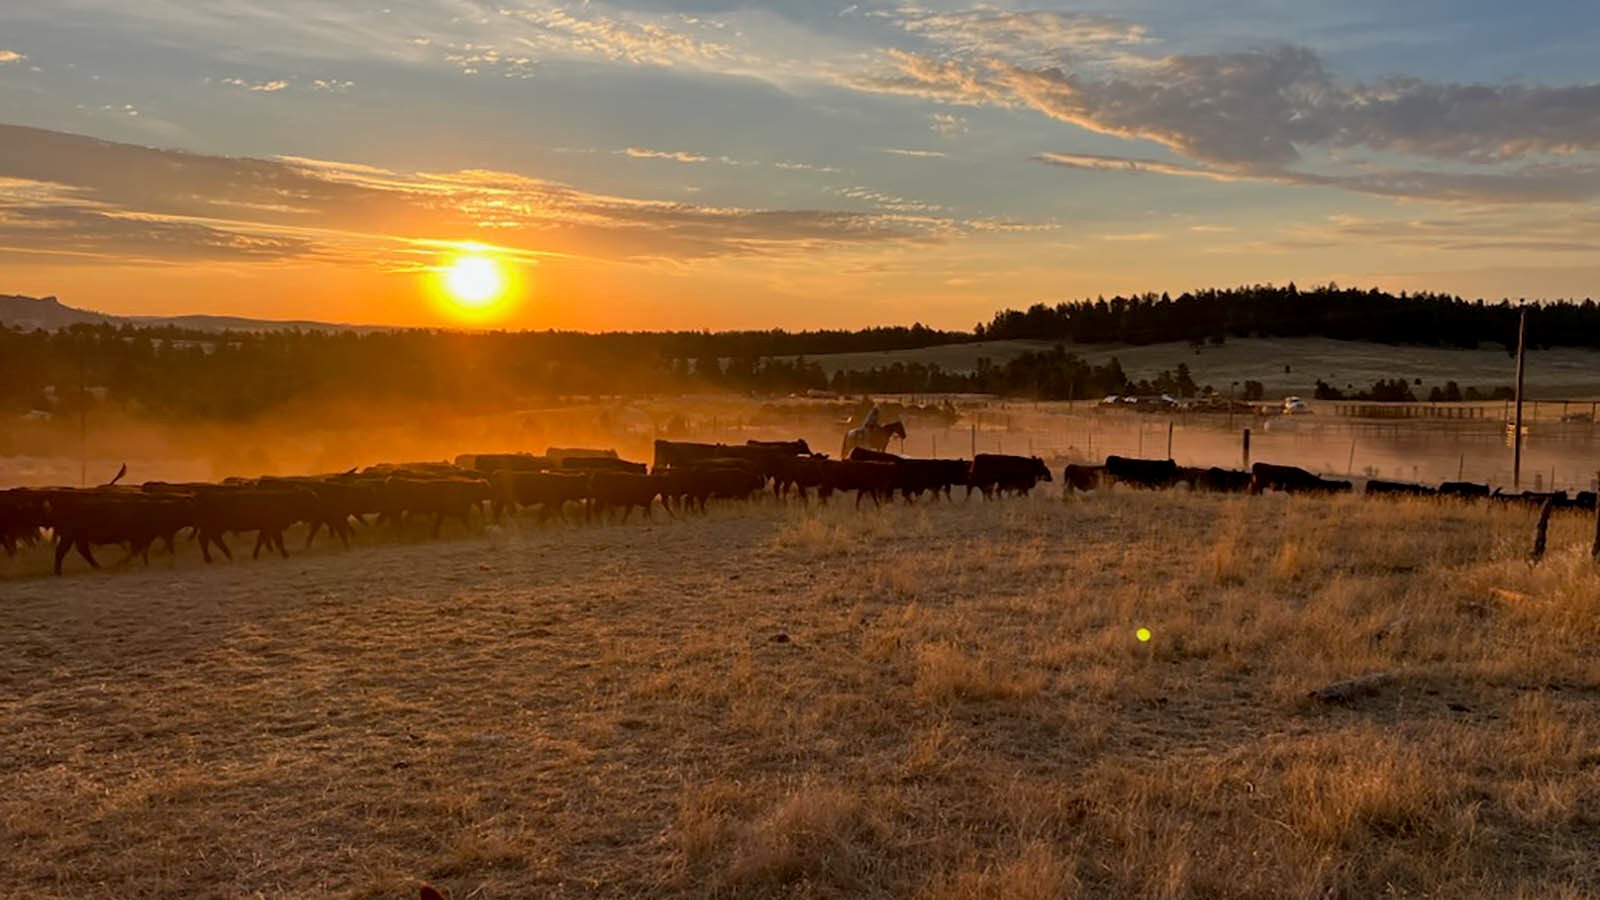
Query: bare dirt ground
point(938, 701)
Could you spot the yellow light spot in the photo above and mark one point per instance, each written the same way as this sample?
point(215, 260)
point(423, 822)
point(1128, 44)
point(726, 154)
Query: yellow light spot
point(475, 282)
point(1143, 635)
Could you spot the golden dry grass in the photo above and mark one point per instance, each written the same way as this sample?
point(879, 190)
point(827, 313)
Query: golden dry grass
point(943, 701)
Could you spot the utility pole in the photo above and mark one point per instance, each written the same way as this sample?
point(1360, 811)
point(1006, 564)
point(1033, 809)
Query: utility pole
point(83, 417)
point(1516, 428)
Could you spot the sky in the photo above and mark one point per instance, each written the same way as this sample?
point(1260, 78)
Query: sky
point(715, 164)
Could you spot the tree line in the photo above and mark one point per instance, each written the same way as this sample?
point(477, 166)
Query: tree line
point(172, 372)
point(1329, 311)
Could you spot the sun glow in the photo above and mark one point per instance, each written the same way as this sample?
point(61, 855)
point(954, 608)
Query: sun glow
point(475, 281)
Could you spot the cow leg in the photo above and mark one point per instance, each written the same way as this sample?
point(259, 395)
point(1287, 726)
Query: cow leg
point(86, 553)
point(63, 545)
point(627, 510)
point(344, 533)
point(277, 538)
point(261, 538)
point(132, 550)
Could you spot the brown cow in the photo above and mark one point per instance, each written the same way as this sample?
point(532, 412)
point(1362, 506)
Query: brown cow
point(547, 492)
point(1082, 478)
point(442, 498)
point(693, 485)
point(82, 518)
point(627, 490)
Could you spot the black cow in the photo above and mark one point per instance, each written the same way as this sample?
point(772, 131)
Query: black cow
point(602, 464)
point(799, 472)
point(867, 478)
point(765, 460)
point(22, 515)
point(489, 463)
point(1465, 490)
point(1378, 488)
point(1535, 499)
point(1144, 473)
point(915, 477)
point(797, 447)
point(991, 472)
point(1223, 481)
point(1292, 480)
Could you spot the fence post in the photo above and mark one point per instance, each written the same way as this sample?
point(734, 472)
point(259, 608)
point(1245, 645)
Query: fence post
point(1169, 439)
point(1594, 551)
point(1247, 449)
point(1541, 531)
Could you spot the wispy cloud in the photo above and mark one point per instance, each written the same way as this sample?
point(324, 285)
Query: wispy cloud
point(674, 155)
point(1092, 162)
point(1022, 36)
point(948, 123)
point(586, 31)
point(790, 165)
point(920, 154)
point(1538, 183)
point(261, 87)
point(10, 56)
point(885, 201)
point(66, 191)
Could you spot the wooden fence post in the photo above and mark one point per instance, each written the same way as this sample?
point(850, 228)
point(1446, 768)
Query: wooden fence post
point(1541, 531)
point(1594, 551)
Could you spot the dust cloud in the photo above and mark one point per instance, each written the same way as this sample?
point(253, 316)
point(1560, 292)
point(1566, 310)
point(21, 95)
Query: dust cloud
point(1559, 452)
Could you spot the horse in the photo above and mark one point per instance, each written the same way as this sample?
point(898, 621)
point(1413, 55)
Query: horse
point(872, 437)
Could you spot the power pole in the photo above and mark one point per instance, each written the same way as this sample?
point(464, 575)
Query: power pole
point(1516, 428)
point(83, 417)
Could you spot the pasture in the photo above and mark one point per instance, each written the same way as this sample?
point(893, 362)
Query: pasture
point(938, 701)
point(1283, 365)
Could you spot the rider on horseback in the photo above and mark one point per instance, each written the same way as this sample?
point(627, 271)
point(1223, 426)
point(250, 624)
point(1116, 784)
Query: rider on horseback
point(871, 434)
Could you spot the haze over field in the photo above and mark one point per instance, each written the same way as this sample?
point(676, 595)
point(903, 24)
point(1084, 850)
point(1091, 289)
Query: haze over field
point(687, 164)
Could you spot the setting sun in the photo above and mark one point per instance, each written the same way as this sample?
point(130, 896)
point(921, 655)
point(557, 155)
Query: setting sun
point(475, 282)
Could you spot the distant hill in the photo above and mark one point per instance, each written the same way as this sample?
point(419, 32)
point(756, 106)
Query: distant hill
point(49, 313)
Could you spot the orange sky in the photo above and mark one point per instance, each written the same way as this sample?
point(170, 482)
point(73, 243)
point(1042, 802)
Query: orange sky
point(650, 164)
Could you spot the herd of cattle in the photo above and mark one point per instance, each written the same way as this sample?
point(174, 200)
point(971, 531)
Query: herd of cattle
point(1165, 473)
point(595, 484)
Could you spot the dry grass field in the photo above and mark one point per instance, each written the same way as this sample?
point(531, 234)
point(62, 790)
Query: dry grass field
point(942, 701)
